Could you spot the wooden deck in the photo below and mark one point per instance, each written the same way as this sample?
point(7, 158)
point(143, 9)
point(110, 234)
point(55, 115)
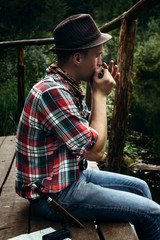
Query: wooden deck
point(15, 215)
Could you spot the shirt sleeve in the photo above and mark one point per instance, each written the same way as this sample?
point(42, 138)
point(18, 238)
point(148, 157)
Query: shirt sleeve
point(60, 116)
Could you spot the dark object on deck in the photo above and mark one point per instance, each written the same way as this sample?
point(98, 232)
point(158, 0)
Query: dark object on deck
point(57, 235)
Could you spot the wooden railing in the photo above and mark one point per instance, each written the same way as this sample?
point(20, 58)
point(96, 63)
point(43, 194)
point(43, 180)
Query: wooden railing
point(124, 86)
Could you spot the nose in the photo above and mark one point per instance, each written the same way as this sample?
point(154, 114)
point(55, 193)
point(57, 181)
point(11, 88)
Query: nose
point(99, 61)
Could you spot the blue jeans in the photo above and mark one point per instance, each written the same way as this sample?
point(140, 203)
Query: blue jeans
point(106, 196)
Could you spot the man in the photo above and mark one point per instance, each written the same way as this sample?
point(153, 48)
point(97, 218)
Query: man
point(57, 135)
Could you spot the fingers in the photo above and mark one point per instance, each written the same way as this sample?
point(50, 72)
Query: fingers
point(105, 65)
point(117, 77)
point(111, 65)
point(114, 70)
point(114, 73)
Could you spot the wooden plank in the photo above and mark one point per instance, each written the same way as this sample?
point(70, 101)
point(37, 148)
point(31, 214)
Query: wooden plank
point(88, 233)
point(2, 140)
point(28, 42)
point(37, 223)
point(14, 210)
point(7, 150)
point(117, 231)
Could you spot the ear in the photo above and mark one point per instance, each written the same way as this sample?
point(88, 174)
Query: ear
point(77, 58)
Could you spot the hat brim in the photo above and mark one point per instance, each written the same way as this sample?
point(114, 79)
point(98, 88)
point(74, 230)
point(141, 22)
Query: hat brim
point(104, 37)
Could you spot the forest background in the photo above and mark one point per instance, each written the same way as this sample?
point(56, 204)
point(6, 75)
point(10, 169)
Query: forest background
point(33, 19)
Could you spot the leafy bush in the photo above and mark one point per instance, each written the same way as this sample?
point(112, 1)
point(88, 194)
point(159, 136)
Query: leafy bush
point(146, 93)
point(36, 60)
point(8, 106)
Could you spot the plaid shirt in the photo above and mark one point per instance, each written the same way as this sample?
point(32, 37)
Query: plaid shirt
point(52, 136)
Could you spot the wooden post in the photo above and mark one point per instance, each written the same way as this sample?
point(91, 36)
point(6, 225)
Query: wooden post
point(20, 79)
point(122, 96)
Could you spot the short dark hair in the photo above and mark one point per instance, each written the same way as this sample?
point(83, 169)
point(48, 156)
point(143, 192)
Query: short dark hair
point(63, 56)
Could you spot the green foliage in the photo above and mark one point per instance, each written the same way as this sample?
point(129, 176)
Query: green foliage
point(36, 60)
point(27, 19)
point(131, 148)
point(121, 7)
point(8, 64)
point(146, 94)
point(83, 6)
point(111, 48)
point(8, 106)
point(106, 11)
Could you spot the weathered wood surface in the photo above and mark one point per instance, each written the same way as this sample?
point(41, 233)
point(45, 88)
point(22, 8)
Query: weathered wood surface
point(117, 231)
point(13, 209)
point(122, 96)
point(16, 218)
point(88, 233)
point(145, 167)
point(7, 150)
point(1, 140)
point(36, 224)
point(28, 42)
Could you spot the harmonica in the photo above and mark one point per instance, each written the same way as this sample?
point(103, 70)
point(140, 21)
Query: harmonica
point(100, 75)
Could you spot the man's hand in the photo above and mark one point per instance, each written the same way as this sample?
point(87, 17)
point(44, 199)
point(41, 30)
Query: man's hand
point(101, 87)
point(105, 84)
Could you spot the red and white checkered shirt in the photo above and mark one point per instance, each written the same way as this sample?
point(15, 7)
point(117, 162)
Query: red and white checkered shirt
point(52, 136)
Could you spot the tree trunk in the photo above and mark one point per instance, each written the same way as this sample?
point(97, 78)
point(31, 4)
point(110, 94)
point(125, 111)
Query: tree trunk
point(122, 96)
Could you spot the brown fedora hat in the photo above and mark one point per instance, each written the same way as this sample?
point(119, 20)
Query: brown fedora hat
point(76, 33)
